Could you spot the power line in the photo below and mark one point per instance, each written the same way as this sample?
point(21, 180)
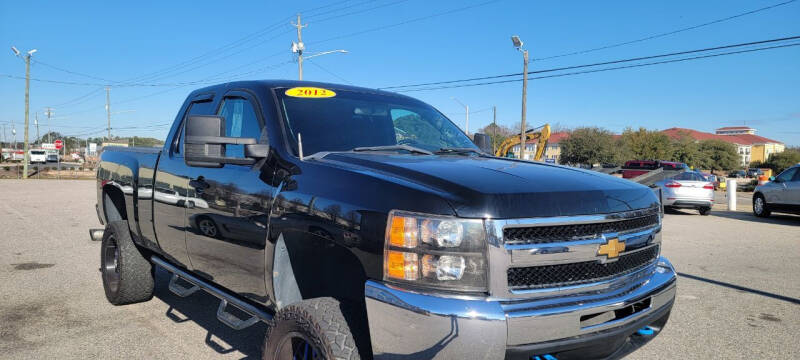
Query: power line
point(383, 27)
point(356, 12)
point(599, 63)
point(605, 69)
point(70, 72)
point(329, 72)
point(666, 33)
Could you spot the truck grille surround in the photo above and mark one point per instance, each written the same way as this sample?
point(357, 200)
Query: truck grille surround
point(548, 276)
point(559, 233)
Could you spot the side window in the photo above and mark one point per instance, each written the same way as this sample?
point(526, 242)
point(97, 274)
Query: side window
point(240, 121)
point(195, 108)
point(787, 175)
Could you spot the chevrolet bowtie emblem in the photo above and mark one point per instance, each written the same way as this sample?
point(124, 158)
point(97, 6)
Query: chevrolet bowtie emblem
point(612, 248)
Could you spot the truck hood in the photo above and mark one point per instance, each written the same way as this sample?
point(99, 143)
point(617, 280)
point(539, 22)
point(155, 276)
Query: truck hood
point(483, 187)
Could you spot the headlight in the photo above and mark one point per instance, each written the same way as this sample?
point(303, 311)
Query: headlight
point(435, 251)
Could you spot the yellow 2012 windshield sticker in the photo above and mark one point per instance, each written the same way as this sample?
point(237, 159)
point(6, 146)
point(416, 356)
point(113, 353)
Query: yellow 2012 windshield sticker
point(310, 92)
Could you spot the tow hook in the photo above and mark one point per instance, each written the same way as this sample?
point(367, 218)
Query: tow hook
point(544, 357)
point(646, 331)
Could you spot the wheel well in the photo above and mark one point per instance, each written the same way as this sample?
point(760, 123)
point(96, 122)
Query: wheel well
point(114, 204)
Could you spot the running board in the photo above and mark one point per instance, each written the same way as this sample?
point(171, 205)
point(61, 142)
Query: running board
point(226, 298)
point(179, 290)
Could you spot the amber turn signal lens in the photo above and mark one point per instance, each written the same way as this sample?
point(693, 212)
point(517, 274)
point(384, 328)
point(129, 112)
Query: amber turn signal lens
point(403, 232)
point(402, 265)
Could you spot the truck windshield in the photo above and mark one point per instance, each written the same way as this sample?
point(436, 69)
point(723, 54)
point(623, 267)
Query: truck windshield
point(351, 119)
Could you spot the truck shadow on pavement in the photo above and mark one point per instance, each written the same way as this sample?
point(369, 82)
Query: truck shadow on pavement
point(778, 219)
point(200, 309)
point(741, 288)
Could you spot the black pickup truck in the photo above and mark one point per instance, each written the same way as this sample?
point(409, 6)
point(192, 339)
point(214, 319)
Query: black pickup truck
point(362, 224)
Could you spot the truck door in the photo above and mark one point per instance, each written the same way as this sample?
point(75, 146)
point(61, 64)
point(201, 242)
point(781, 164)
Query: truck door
point(171, 189)
point(227, 216)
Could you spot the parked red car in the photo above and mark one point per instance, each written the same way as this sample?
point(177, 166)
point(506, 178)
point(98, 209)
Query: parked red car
point(634, 168)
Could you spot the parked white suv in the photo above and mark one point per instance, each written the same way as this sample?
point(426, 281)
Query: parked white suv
point(781, 194)
point(37, 156)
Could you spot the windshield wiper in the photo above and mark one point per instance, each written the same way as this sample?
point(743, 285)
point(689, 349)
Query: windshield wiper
point(458, 150)
point(408, 148)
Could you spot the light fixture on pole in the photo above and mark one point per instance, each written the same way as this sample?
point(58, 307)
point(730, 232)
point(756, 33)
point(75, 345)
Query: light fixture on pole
point(466, 109)
point(27, 59)
point(522, 135)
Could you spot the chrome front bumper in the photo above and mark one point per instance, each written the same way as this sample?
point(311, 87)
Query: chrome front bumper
point(409, 325)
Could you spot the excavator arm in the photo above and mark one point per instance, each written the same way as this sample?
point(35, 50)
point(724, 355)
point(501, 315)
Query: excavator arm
point(540, 134)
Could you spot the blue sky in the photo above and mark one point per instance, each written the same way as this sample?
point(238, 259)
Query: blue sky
point(119, 41)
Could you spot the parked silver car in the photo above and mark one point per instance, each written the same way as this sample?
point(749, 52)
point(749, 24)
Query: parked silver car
point(781, 194)
point(687, 190)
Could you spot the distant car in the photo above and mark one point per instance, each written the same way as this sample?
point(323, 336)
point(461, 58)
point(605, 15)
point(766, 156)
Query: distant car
point(37, 156)
point(737, 174)
point(634, 168)
point(753, 172)
point(782, 194)
point(713, 179)
point(52, 157)
point(688, 190)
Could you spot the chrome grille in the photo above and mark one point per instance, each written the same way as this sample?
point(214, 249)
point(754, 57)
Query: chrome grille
point(570, 232)
point(551, 276)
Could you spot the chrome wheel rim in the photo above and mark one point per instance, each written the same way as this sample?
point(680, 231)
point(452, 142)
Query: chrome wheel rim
point(111, 264)
point(759, 205)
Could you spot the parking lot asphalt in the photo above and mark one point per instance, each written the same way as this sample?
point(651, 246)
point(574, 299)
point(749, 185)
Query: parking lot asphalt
point(738, 291)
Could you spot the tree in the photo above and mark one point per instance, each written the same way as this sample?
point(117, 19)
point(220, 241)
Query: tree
point(718, 155)
point(783, 160)
point(686, 150)
point(645, 144)
point(498, 133)
point(589, 145)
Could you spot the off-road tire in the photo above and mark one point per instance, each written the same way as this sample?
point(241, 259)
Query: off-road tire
point(765, 212)
point(134, 273)
point(321, 322)
point(705, 211)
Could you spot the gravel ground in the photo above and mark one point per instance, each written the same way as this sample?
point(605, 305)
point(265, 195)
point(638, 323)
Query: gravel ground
point(738, 295)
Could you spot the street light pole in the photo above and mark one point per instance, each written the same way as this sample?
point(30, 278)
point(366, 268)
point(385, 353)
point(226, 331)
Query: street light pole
point(108, 110)
point(522, 135)
point(466, 108)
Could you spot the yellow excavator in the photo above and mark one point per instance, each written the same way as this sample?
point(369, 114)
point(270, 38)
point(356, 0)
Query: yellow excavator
point(541, 134)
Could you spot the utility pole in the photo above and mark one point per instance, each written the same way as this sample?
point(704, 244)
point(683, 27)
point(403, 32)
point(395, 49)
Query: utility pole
point(522, 135)
point(108, 110)
point(299, 46)
point(49, 113)
point(27, 58)
point(494, 122)
point(36, 122)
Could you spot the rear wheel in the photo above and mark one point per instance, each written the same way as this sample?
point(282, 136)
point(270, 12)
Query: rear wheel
point(127, 274)
point(760, 207)
point(308, 330)
point(705, 211)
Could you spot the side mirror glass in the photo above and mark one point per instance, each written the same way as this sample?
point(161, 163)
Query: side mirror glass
point(771, 178)
point(483, 142)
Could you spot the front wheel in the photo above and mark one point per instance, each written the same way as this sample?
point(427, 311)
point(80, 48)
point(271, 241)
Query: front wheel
point(760, 208)
point(309, 330)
